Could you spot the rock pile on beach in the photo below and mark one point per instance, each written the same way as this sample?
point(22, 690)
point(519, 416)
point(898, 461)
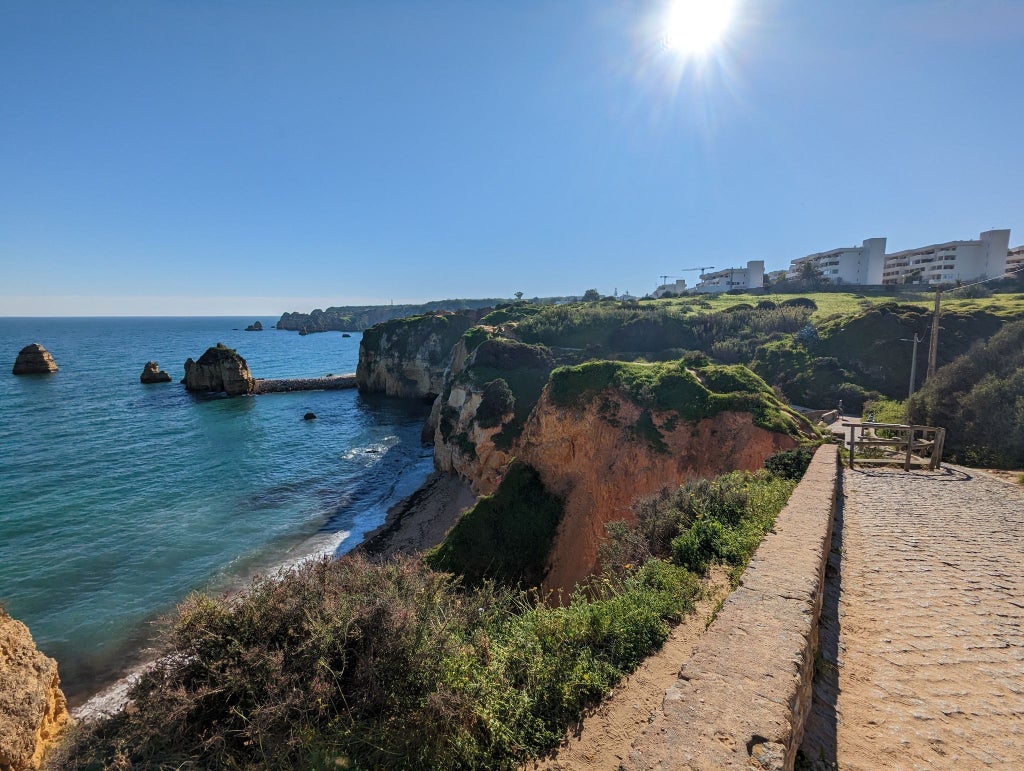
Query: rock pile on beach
point(34, 360)
point(152, 373)
point(33, 710)
point(219, 370)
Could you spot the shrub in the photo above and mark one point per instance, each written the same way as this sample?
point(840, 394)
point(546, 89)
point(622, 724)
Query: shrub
point(496, 402)
point(790, 464)
point(800, 302)
point(344, 664)
point(702, 521)
point(707, 541)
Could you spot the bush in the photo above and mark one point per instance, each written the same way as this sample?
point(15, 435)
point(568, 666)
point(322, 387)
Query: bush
point(800, 302)
point(496, 402)
point(701, 522)
point(344, 664)
point(705, 542)
point(790, 464)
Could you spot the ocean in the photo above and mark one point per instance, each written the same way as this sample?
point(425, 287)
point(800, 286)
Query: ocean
point(117, 499)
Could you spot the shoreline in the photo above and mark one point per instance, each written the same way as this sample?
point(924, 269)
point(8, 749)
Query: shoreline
point(413, 524)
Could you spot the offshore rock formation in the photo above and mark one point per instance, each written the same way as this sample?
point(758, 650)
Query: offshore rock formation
point(407, 357)
point(33, 710)
point(152, 373)
point(256, 326)
point(220, 369)
point(34, 360)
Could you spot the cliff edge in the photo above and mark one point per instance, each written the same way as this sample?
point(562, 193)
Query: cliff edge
point(33, 710)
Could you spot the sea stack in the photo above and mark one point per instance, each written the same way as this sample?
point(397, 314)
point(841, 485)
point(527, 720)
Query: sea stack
point(256, 326)
point(33, 710)
point(34, 360)
point(152, 373)
point(220, 369)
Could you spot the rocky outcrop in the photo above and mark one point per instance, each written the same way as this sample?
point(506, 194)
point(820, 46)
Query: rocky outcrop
point(606, 433)
point(152, 373)
point(33, 710)
point(256, 326)
point(220, 369)
point(407, 357)
point(34, 360)
point(487, 394)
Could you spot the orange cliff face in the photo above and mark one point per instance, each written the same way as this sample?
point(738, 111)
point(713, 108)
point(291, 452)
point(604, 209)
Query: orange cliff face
point(600, 468)
point(33, 710)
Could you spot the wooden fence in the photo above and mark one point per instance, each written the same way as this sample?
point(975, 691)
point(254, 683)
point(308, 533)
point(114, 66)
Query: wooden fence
point(894, 444)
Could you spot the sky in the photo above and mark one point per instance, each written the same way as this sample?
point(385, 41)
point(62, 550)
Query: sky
point(234, 157)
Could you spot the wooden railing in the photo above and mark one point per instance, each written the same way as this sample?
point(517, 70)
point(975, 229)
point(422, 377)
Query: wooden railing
point(894, 444)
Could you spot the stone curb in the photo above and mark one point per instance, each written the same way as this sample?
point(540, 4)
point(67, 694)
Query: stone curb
point(743, 696)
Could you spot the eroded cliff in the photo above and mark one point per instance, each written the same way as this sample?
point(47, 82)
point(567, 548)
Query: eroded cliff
point(33, 710)
point(407, 357)
point(605, 433)
point(487, 395)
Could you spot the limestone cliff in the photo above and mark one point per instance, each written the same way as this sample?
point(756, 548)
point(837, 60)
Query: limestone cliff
point(220, 369)
point(32, 707)
point(407, 357)
point(487, 395)
point(606, 433)
point(34, 360)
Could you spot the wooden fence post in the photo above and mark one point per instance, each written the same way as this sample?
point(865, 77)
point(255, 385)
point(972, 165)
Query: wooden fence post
point(910, 447)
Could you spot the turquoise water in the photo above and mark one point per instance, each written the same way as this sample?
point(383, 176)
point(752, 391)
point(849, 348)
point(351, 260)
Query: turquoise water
point(117, 498)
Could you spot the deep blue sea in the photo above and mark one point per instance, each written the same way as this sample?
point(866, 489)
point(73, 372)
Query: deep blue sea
point(117, 499)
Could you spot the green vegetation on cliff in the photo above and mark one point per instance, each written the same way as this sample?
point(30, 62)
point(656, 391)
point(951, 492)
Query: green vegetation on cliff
point(408, 336)
point(692, 394)
point(979, 400)
point(506, 536)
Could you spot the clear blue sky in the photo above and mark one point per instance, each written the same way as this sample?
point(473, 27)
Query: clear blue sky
point(258, 156)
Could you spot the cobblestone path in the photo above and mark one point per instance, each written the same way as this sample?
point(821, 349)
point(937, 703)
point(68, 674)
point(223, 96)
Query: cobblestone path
point(927, 670)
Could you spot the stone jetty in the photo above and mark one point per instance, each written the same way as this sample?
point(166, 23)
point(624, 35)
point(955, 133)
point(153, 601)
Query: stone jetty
point(284, 385)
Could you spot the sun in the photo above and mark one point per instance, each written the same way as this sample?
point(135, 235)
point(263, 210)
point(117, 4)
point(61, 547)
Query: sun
point(693, 27)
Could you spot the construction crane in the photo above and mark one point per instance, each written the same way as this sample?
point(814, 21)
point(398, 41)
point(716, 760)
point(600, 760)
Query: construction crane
point(664, 279)
point(701, 268)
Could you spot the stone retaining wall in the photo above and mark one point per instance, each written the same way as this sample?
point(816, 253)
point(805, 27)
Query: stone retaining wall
point(743, 696)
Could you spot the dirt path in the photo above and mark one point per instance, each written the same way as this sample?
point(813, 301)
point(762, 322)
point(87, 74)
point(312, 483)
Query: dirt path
point(923, 648)
point(603, 739)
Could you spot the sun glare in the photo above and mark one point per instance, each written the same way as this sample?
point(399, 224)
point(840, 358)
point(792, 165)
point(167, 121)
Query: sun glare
point(692, 27)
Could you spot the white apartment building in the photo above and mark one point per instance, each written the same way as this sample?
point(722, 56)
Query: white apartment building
point(952, 261)
point(1015, 259)
point(847, 265)
point(750, 277)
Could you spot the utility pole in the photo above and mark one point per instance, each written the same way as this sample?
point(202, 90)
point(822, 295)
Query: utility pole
point(933, 345)
point(913, 361)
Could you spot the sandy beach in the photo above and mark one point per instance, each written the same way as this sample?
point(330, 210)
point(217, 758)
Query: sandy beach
point(420, 521)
